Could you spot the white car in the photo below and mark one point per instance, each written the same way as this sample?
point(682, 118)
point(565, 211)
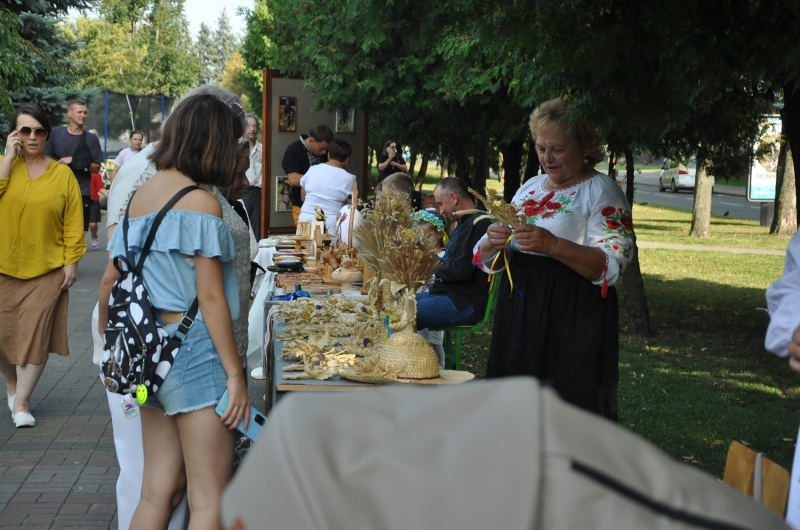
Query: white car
point(677, 176)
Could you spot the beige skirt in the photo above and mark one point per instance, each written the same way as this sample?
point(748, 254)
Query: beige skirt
point(33, 318)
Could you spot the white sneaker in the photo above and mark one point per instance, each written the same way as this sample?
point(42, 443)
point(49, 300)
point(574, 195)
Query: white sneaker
point(11, 402)
point(23, 419)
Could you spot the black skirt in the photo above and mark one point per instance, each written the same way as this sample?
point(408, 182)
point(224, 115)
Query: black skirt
point(557, 326)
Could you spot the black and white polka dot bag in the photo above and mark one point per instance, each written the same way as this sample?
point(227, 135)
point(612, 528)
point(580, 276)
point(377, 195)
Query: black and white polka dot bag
point(138, 352)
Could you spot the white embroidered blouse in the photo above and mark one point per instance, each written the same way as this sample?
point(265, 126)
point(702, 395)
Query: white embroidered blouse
point(594, 213)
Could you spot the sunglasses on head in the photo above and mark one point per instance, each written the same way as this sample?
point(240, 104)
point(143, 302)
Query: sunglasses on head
point(37, 132)
point(236, 109)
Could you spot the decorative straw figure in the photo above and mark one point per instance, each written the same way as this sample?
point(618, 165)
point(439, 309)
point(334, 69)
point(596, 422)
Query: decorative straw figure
point(398, 252)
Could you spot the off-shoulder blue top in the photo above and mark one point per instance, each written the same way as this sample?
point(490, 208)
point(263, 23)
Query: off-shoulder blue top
point(169, 275)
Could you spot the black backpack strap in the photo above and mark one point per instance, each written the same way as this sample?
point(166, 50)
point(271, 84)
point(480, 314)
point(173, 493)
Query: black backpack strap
point(187, 321)
point(161, 214)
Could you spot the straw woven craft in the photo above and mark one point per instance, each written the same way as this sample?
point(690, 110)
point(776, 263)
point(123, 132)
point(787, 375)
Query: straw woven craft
point(405, 358)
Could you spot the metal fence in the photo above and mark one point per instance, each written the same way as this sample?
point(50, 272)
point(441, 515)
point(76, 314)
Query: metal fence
point(112, 116)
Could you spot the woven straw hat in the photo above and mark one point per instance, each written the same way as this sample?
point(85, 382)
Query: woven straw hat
point(411, 360)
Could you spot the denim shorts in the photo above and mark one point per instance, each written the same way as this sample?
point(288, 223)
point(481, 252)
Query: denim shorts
point(197, 379)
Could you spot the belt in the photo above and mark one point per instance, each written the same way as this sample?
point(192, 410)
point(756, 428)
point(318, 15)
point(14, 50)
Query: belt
point(170, 318)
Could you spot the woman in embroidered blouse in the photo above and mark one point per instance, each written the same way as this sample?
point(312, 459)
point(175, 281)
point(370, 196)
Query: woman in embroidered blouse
point(185, 443)
point(41, 241)
point(559, 321)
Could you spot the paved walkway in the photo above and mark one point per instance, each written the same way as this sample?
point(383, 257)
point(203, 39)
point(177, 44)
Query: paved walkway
point(704, 248)
point(63, 472)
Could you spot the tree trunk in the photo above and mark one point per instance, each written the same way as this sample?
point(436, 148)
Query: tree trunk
point(532, 164)
point(784, 223)
point(701, 210)
point(423, 169)
point(412, 160)
point(612, 166)
point(463, 168)
point(633, 295)
point(791, 128)
point(512, 164)
point(630, 173)
point(481, 170)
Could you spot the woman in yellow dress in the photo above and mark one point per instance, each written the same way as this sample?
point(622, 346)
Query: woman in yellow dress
point(40, 244)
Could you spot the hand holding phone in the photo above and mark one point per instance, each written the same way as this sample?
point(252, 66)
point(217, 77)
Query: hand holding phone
point(13, 143)
point(257, 420)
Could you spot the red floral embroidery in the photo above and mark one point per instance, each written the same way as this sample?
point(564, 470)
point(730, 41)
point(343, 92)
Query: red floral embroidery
point(627, 222)
point(553, 205)
point(608, 211)
point(551, 213)
point(612, 224)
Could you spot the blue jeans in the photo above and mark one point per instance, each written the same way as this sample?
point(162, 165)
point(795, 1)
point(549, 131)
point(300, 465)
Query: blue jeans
point(438, 311)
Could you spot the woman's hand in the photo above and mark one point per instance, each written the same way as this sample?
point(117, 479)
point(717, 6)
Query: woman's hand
point(238, 403)
point(534, 239)
point(13, 144)
point(70, 275)
point(498, 236)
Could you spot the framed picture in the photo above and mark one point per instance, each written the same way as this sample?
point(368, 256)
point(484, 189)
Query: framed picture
point(282, 188)
point(287, 114)
point(345, 120)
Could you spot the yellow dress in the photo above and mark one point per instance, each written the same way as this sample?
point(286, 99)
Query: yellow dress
point(41, 220)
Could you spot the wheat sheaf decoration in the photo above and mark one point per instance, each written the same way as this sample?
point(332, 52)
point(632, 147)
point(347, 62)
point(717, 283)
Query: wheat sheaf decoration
point(498, 210)
point(379, 224)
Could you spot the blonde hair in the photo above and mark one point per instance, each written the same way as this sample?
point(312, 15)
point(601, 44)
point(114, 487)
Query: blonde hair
point(555, 111)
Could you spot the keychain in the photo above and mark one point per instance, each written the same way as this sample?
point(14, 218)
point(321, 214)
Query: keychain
point(141, 394)
point(129, 407)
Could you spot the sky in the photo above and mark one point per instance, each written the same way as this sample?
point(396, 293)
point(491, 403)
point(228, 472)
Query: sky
point(208, 11)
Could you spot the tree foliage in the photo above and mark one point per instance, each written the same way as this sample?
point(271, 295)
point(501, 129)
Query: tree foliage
point(137, 47)
point(35, 63)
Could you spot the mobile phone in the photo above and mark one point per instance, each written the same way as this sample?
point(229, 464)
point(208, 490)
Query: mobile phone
point(257, 420)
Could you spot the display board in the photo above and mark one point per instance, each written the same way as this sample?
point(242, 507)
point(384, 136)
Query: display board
point(287, 112)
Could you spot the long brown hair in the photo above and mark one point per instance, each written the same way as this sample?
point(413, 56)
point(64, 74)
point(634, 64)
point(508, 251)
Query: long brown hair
point(200, 139)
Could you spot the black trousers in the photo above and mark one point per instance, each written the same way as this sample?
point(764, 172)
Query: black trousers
point(252, 203)
point(557, 327)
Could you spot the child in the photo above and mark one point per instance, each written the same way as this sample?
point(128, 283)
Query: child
point(432, 225)
point(97, 188)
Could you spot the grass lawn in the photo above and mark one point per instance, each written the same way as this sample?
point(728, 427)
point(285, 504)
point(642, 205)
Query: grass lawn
point(665, 224)
point(704, 379)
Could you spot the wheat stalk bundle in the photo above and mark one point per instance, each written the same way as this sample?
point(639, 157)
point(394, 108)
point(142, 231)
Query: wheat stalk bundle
point(497, 209)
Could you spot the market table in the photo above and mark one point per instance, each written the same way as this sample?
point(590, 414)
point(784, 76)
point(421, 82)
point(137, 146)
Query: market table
point(277, 386)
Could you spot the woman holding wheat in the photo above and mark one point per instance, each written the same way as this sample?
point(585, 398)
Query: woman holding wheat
point(557, 315)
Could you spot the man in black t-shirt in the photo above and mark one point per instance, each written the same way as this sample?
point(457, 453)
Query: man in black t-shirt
point(80, 150)
point(311, 149)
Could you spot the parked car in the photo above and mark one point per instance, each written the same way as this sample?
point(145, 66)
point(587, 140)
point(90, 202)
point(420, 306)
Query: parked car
point(677, 176)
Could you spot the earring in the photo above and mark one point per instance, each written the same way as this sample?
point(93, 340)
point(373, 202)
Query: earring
point(585, 160)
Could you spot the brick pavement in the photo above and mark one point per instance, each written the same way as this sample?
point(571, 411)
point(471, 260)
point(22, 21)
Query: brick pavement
point(63, 472)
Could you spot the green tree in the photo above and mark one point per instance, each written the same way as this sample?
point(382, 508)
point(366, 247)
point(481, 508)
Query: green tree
point(136, 47)
point(256, 50)
point(205, 53)
point(171, 67)
point(46, 76)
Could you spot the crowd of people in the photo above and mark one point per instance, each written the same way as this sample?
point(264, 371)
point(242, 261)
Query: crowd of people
point(556, 318)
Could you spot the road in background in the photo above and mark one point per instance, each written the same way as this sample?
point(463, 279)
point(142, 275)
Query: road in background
point(731, 199)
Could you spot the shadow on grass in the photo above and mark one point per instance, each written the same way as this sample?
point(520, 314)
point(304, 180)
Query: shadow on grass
point(703, 380)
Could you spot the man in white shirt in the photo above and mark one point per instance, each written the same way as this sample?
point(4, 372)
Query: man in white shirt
point(783, 300)
point(252, 194)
